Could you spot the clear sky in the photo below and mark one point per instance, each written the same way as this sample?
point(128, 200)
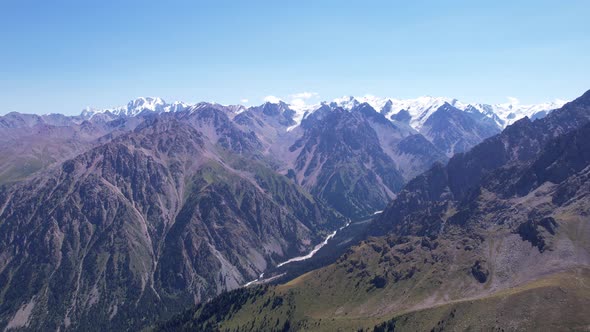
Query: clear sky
point(60, 56)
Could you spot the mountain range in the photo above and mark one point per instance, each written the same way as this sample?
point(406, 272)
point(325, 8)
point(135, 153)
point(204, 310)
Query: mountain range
point(495, 239)
point(122, 217)
point(418, 109)
point(30, 141)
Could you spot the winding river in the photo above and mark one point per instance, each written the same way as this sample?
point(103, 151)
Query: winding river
point(300, 258)
point(315, 249)
point(308, 256)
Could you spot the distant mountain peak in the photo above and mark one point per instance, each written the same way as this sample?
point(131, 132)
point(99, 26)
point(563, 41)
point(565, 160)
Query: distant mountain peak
point(135, 107)
point(421, 108)
point(418, 109)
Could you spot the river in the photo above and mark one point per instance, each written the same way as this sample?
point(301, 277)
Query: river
point(310, 254)
point(300, 258)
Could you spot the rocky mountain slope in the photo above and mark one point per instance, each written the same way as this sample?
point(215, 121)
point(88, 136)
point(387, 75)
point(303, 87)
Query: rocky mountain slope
point(452, 130)
point(31, 143)
point(357, 160)
point(497, 239)
point(116, 218)
point(151, 222)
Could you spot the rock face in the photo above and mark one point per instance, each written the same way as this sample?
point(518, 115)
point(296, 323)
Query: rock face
point(480, 272)
point(357, 160)
point(452, 130)
point(340, 159)
point(147, 224)
point(533, 231)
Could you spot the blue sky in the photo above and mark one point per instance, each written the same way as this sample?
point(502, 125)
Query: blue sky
point(60, 56)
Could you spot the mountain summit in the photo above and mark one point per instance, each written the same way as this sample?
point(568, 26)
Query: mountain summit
point(419, 109)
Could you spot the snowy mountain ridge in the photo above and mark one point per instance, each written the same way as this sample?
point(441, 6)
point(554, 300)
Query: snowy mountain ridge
point(416, 110)
point(136, 106)
point(421, 108)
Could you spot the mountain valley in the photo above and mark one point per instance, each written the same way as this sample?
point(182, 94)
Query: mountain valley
point(496, 239)
point(125, 217)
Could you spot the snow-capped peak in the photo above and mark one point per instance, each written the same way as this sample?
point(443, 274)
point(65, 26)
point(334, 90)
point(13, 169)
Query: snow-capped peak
point(421, 108)
point(135, 107)
point(418, 109)
point(510, 112)
point(235, 109)
point(346, 102)
point(145, 103)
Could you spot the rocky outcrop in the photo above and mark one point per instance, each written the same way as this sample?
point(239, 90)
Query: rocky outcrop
point(537, 232)
point(480, 272)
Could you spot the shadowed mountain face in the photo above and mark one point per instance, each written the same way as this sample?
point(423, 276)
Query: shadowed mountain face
point(503, 227)
point(357, 160)
point(145, 225)
point(452, 130)
point(277, 115)
point(214, 123)
point(341, 160)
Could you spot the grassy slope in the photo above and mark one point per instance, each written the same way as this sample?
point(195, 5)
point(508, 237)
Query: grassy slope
point(429, 285)
point(553, 303)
